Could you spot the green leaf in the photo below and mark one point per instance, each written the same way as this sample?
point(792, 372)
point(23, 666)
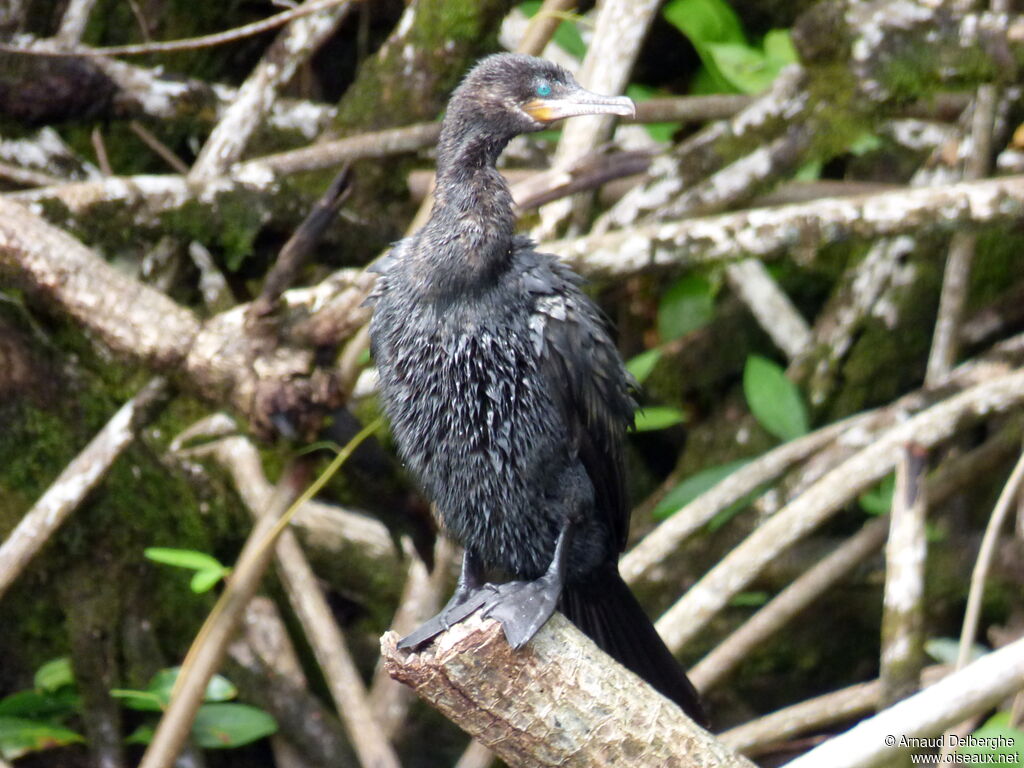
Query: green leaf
point(946, 650)
point(864, 143)
point(778, 46)
point(694, 486)
point(705, 21)
point(746, 69)
point(204, 581)
point(141, 735)
point(809, 171)
point(183, 558)
point(567, 36)
point(19, 736)
point(54, 674)
point(687, 305)
point(878, 500)
point(143, 701)
point(656, 417)
point(1001, 739)
point(749, 599)
point(219, 726)
point(662, 132)
point(774, 400)
point(158, 692)
point(642, 365)
point(42, 705)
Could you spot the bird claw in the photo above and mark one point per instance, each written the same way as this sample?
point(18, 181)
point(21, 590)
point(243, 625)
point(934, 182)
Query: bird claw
point(462, 604)
point(522, 608)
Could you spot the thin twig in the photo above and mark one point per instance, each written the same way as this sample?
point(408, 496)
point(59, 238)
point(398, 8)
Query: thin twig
point(77, 480)
point(191, 43)
point(158, 147)
point(101, 152)
point(476, 755)
point(26, 177)
point(294, 254)
point(984, 561)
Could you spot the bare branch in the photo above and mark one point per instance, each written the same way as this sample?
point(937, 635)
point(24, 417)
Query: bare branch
point(304, 34)
point(605, 715)
point(973, 689)
point(620, 28)
point(771, 306)
point(77, 480)
point(817, 503)
point(902, 655)
point(769, 231)
point(813, 714)
point(787, 604)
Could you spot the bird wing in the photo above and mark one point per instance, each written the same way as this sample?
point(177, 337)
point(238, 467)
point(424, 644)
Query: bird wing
point(583, 369)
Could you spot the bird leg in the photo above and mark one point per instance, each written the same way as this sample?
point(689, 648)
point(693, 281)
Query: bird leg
point(522, 607)
point(470, 594)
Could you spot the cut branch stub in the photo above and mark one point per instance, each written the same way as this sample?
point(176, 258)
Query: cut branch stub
point(558, 701)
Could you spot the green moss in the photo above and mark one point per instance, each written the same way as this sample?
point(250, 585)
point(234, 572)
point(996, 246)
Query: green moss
point(886, 361)
point(996, 265)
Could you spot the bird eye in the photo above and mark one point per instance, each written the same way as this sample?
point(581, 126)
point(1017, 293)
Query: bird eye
point(544, 89)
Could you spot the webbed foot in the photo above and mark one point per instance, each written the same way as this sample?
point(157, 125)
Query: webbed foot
point(459, 607)
point(522, 607)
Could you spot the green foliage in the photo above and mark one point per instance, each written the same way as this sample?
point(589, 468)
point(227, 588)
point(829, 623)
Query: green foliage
point(642, 365)
point(54, 675)
point(157, 695)
point(687, 305)
point(946, 650)
point(749, 599)
point(878, 500)
point(567, 35)
point(208, 569)
point(692, 487)
point(1002, 741)
point(218, 725)
point(35, 720)
point(730, 63)
point(221, 726)
point(19, 736)
point(656, 417)
point(774, 400)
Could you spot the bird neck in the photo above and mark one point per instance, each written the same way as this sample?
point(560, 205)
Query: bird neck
point(472, 210)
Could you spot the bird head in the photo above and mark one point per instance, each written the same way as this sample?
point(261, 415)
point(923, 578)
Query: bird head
point(511, 94)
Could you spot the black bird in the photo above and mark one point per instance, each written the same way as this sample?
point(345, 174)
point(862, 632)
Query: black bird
point(507, 398)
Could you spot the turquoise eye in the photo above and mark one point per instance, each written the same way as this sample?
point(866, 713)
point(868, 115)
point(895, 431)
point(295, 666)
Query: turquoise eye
point(543, 89)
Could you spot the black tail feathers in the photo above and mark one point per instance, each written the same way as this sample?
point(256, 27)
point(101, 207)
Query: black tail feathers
point(607, 612)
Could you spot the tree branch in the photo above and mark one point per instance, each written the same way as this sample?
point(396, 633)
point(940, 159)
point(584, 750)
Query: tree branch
point(557, 702)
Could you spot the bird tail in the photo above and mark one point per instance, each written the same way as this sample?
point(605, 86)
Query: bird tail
point(605, 610)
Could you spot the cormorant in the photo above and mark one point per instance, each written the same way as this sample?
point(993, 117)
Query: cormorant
point(507, 398)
